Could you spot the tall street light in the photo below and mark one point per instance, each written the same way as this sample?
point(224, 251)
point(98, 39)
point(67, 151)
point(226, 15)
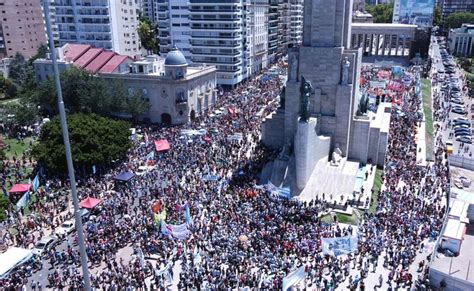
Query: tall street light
point(70, 167)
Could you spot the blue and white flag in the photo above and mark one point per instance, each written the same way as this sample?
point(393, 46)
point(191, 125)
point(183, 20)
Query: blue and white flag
point(187, 214)
point(293, 278)
point(281, 192)
point(94, 169)
point(23, 200)
point(339, 245)
point(176, 231)
point(210, 177)
point(36, 183)
point(150, 156)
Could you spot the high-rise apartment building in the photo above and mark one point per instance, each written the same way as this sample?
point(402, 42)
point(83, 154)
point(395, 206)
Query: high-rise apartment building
point(109, 24)
point(21, 27)
point(452, 6)
point(258, 24)
point(273, 24)
point(230, 34)
point(296, 22)
point(283, 26)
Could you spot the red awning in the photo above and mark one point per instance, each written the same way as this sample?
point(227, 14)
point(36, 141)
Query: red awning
point(162, 145)
point(20, 188)
point(89, 203)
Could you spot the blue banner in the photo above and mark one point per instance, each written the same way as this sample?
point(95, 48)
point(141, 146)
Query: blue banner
point(23, 200)
point(210, 177)
point(187, 214)
point(293, 278)
point(339, 245)
point(94, 169)
point(36, 183)
point(175, 231)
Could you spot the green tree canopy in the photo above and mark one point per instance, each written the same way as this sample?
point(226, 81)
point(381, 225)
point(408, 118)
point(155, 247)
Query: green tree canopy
point(25, 112)
point(147, 32)
point(382, 13)
point(85, 93)
point(7, 88)
point(437, 16)
point(4, 203)
point(95, 140)
point(18, 70)
point(455, 20)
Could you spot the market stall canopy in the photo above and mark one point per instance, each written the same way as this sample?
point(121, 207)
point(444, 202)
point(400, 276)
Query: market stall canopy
point(17, 188)
point(89, 203)
point(162, 145)
point(124, 177)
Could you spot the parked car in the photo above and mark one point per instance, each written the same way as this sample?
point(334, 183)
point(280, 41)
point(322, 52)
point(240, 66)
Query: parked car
point(66, 228)
point(457, 101)
point(44, 245)
point(462, 126)
point(464, 139)
point(459, 111)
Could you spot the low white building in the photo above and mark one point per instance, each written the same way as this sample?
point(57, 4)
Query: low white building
point(461, 40)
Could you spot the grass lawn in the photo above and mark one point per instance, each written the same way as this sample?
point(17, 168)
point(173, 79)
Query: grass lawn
point(5, 101)
point(376, 188)
point(17, 148)
point(341, 218)
point(428, 111)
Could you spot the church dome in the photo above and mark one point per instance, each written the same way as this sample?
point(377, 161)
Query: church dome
point(175, 58)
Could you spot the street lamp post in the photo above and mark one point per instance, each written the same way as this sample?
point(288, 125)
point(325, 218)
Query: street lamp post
point(70, 167)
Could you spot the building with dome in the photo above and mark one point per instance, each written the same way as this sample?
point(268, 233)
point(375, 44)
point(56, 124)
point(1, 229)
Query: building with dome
point(177, 92)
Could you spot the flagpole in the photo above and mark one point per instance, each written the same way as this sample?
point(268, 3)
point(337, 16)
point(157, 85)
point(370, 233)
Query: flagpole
point(70, 166)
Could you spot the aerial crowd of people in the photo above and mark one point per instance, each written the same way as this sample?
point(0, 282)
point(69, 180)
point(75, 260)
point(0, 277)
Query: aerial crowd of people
point(232, 232)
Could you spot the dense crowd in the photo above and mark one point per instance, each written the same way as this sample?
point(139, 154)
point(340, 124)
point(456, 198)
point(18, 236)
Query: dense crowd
point(239, 236)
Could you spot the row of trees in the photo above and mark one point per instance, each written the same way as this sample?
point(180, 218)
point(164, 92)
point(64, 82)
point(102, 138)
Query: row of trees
point(84, 93)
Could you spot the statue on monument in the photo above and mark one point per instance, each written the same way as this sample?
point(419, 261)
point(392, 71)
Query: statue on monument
point(336, 156)
point(345, 71)
point(305, 92)
point(363, 106)
point(282, 97)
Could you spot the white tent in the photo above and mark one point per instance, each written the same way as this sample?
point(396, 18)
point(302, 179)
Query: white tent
point(11, 258)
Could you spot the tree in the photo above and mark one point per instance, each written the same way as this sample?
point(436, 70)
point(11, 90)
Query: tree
point(437, 16)
point(7, 88)
point(455, 20)
point(40, 54)
point(95, 140)
point(4, 203)
point(84, 93)
point(25, 112)
point(147, 32)
point(18, 70)
point(382, 13)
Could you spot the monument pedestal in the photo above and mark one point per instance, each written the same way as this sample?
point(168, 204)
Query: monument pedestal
point(309, 149)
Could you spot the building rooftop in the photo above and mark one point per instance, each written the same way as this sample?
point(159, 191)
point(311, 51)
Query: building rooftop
point(175, 58)
point(460, 266)
point(93, 60)
point(88, 57)
point(384, 25)
point(99, 61)
point(72, 52)
point(113, 63)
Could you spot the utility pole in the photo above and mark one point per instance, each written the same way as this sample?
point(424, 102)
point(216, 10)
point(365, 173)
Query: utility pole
point(67, 145)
